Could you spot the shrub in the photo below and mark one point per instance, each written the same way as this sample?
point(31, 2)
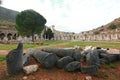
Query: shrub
point(112, 26)
point(96, 32)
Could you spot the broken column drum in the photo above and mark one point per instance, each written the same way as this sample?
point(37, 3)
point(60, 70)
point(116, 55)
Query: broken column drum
point(64, 52)
point(73, 66)
point(62, 62)
point(47, 60)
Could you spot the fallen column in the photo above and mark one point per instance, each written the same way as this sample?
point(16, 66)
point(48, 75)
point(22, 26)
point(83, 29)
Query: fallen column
point(47, 60)
point(73, 66)
point(64, 52)
point(62, 62)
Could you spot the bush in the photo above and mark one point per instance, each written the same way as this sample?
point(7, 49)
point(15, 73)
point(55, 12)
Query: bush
point(112, 26)
point(96, 32)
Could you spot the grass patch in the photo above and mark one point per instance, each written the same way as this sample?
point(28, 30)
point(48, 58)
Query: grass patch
point(2, 58)
point(82, 44)
point(13, 46)
point(95, 43)
point(111, 65)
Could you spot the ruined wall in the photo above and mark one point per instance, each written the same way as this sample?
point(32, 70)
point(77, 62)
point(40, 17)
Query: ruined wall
point(88, 35)
point(12, 35)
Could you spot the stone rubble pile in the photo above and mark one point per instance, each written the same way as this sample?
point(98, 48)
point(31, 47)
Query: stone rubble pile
point(67, 59)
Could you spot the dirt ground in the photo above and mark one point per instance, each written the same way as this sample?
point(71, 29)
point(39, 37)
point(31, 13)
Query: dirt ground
point(104, 73)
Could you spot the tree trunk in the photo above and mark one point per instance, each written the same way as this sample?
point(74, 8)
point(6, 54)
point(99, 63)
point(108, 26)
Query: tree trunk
point(32, 35)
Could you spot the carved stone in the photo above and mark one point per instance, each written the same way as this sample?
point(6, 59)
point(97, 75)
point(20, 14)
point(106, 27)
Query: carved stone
point(14, 60)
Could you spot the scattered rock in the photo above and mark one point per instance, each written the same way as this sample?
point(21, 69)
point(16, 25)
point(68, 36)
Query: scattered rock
point(25, 78)
point(14, 60)
point(88, 78)
point(30, 69)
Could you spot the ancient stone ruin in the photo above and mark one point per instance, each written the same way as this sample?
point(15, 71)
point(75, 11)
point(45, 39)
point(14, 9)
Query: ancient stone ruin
point(67, 59)
point(14, 60)
point(11, 35)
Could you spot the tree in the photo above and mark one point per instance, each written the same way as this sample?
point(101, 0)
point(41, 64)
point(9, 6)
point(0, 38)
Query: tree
point(29, 22)
point(48, 34)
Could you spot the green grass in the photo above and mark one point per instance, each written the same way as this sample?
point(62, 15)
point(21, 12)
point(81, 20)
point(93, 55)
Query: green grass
point(2, 58)
point(111, 65)
point(96, 43)
point(13, 46)
point(82, 44)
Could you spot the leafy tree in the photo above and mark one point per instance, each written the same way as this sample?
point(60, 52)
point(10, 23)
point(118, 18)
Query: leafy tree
point(29, 22)
point(48, 34)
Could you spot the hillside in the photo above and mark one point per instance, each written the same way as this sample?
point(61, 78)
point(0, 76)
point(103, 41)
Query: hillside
point(7, 14)
point(112, 26)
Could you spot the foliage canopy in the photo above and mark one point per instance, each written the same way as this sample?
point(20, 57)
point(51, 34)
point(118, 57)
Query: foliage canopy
point(48, 34)
point(112, 26)
point(29, 22)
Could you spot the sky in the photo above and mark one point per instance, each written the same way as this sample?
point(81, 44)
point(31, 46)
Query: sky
point(70, 15)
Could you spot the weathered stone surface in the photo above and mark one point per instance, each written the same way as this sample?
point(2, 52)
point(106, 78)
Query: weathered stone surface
point(77, 55)
point(47, 60)
point(64, 52)
point(26, 58)
point(61, 63)
point(93, 70)
point(30, 69)
point(108, 58)
point(59, 52)
point(14, 60)
point(83, 54)
point(111, 58)
point(103, 61)
point(92, 58)
point(30, 51)
point(73, 66)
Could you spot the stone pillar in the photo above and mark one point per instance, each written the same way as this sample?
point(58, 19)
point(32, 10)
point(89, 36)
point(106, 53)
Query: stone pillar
point(14, 60)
